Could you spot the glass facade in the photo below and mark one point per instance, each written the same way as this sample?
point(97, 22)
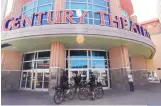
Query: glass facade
point(74, 59)
point(87, 59)
point(124, 13)
point(92, 6)
point(83, 61)
point(38, 6)
point(36, 60)
point(35, 69)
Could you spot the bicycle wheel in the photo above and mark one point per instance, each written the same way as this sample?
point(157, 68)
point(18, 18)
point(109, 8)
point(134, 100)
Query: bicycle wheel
point(99, 93)
point(58, 97)
point(70, 94)
point(83, 94)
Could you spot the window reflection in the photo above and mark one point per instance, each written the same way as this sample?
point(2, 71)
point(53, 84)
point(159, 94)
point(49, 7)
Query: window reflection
point(27, 65)
point(39, 80)
point(43, 64)
point(99, 64)
point(28, 85)
point(44, 55)
point(98, 55)
point(78, 63)
point(23, 82)
point(46, 80)
point(74, 54)
point(29, 57)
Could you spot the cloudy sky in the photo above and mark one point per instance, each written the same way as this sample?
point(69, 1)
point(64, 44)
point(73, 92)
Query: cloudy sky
point(144, 9)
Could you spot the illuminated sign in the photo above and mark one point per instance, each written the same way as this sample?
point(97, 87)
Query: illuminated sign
point(66, 16)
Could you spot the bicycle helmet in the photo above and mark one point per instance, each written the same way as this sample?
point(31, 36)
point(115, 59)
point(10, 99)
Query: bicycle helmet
point(64, 72)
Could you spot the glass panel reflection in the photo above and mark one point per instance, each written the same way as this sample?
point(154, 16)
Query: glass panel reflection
point(29, 57)
point(46, 80)
point(24, 76)
point(39, 80)
point(78, 63)
point(28, 85)
point(103, 78)
point(74, 54)
point(43, 64)
point(99, 64)
point(98, 55)
point(27, 65)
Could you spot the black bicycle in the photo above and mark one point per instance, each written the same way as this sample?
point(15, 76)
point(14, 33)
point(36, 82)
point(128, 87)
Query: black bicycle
point(60, 94)
point(99, 92)
point(84, 91)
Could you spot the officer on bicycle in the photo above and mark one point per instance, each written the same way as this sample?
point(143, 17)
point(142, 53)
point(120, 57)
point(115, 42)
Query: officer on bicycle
point(92, 80)
point(76, 81)
point(64, 82)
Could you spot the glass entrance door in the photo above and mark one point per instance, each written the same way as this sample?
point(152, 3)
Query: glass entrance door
point(41, 80)
point(82, 72)
point(102, 76)
point(37, 80)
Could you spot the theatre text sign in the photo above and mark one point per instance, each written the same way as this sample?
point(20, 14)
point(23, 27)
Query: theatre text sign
point(61, 17)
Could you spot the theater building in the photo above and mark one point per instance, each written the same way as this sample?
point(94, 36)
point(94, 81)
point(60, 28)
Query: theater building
point(43, 38)
point(153, 65)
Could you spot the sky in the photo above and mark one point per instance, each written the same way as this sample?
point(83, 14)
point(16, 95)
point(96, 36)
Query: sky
point(143, 9)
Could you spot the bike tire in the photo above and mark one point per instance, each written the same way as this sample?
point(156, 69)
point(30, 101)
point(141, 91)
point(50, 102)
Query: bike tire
point(83, 94)
point(99, 93)
point(71, 94)
point(58, 95)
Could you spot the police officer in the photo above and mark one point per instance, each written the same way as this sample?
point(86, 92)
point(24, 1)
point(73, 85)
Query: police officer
point(76, 81)
point(64, 82)
point(92, 81)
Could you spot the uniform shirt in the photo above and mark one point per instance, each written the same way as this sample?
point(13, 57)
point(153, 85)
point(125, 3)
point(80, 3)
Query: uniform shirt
point(92, 79)
point(130, 78)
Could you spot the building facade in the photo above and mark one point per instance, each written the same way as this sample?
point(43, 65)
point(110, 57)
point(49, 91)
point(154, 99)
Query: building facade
point(154, 27)
point(43, 38)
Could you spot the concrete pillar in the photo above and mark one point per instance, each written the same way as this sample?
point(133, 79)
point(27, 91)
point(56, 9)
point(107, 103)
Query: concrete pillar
point(139, 68)
point(11, 69)
point(57, 64)
point(119, 64)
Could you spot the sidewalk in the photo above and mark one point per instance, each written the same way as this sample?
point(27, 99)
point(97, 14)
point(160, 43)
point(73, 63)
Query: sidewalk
point(146, 96)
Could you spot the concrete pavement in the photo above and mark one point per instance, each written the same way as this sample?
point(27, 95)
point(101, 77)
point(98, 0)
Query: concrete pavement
point(142, 96)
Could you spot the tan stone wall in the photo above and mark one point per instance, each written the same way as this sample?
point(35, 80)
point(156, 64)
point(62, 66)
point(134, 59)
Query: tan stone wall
point(138, 63)
point(119, 57)
point(154, 27)
point(157, 57)
point(11, 60)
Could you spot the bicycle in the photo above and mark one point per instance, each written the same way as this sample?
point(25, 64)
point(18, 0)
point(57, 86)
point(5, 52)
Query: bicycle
point(99, 92)
point(84, 91)
point(61, 95)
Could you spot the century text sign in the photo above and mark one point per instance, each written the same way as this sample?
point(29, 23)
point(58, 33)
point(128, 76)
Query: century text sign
point(61, 17)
